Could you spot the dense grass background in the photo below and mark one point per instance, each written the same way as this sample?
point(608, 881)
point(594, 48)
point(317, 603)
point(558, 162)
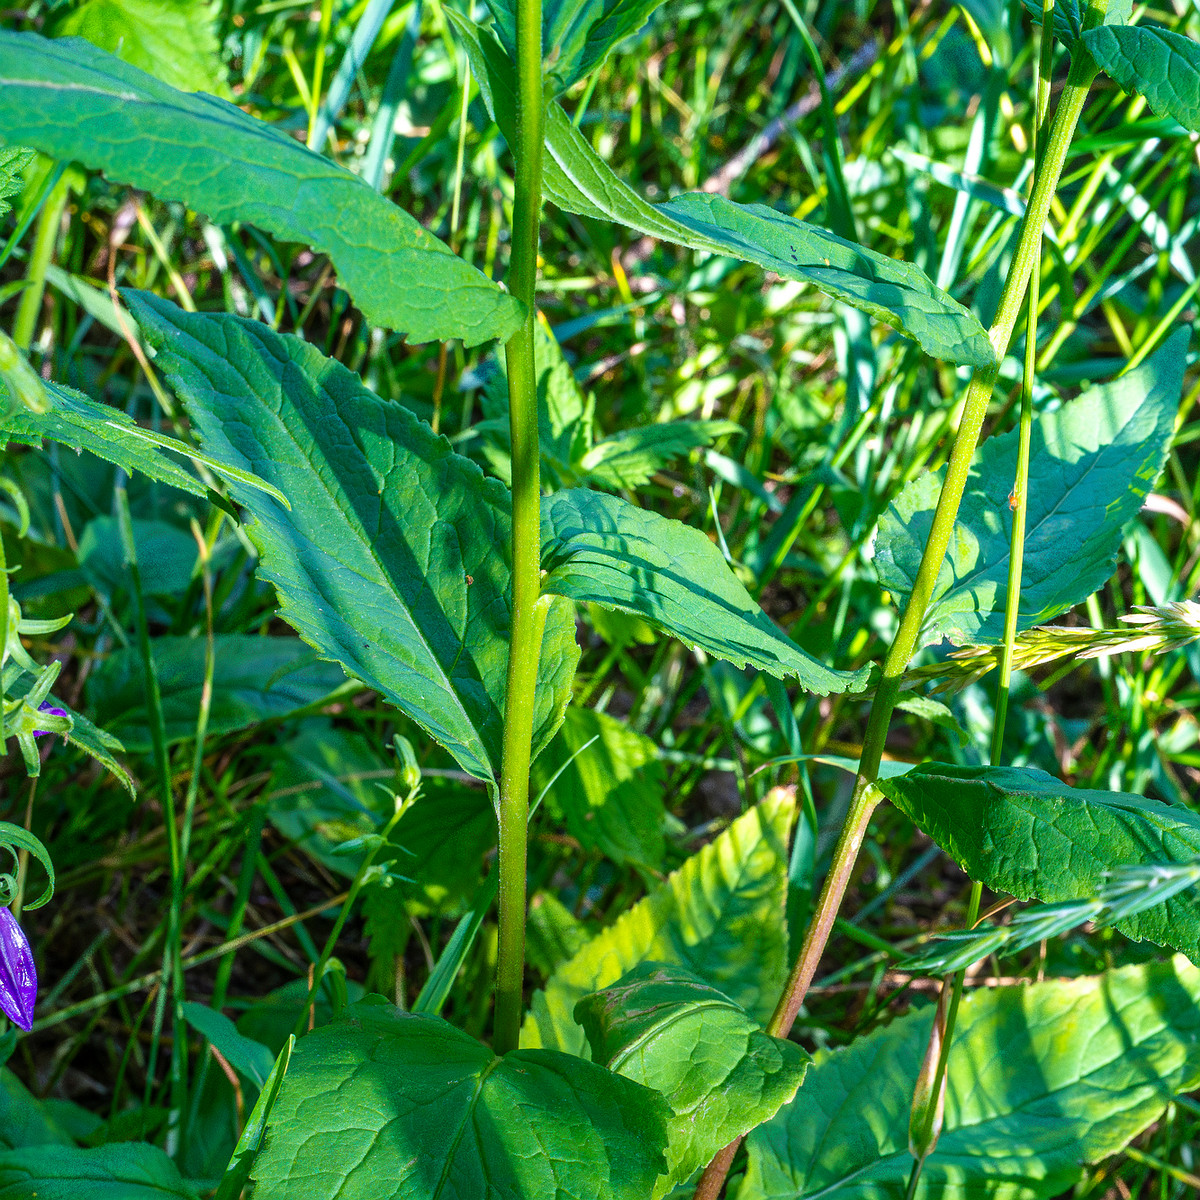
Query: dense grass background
point(932, 109)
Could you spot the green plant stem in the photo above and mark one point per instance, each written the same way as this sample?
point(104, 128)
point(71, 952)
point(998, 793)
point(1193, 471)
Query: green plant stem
point(44, 241)
point(979, 394)
point(356, 885)
point(528, 611)
point(1012, 599)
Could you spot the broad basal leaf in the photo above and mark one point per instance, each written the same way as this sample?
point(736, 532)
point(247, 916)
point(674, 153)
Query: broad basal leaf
point(1041, 1079)
point(577, 35)
point(720, 916)
point(120, 1171)
point(578, 180)
point(601, 549)
point(608, 785)
point(386, 1103)
point(722, 1076)
point(175, 40)
point(1020, 831)
point(1160, 65)
point(393, 559)
point(1092, 463)
point(255, 679)
point(73, 101)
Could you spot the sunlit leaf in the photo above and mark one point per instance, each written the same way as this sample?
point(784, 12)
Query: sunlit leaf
point(1158, 64)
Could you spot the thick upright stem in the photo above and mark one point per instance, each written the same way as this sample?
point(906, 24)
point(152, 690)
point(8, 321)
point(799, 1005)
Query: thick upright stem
point(979, 394)
point(40, 258)
point(528, 616)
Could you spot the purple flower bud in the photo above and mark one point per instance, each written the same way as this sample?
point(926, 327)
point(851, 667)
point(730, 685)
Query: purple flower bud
point(18, 976)
point(47, 707)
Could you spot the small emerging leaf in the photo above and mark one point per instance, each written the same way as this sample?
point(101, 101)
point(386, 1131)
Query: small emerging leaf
point(663, 1027)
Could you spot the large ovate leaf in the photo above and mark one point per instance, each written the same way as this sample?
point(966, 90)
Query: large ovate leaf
point(386, 1103)
point(1160, 65)
point(602, 549)
point(721, 1074)
point(73, 101)
point(577, 35)
point(1092, 462)
point(254, 679)
point(119, 1171)
point(175, 40)
point(1041, 1079)
point(1021, 831)
point(605, 780)
point(720, 916)
point(578, 180)
point(393, 559)
point(1069, 14)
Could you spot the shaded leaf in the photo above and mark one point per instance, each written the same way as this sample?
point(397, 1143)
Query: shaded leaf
point(577, 35)
point(14, 161)
point(244, 1054)
point(1156, 63)
point(250, 1141)
point(630, 458)
point(119, 1171)
point(255, 679)
point(166, 556)
point(610, 789)
point(1021, 831)
point(386, 1102)
point(721, 1074)
point(393, 559)
point(73, 101)
point(604, 550)
point(578, 180)
point(720, 916)
point(24, 1119)
point(1042, 1079)
point(175, 40)
point(553, 933)
point(1092, 463)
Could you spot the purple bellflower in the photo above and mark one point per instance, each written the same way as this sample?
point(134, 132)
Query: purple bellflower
point(18, 976)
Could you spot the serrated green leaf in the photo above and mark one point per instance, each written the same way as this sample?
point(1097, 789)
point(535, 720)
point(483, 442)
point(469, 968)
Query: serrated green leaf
point(629, 459)
point(391, 1103)
point(393, 559)
point(254, 679)
point(577, 35)
point(1021, 831)
point(14, 160)
point(720, 916)
point(1156, 63)
point(721, 1074)
point(578, 180)
point(601, 549)
point(1041, 1079)
point(174, 40)
point(610, 789)
point(120, 1171)
point(1092, 462)
point(74, 420)
point(73, 101)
